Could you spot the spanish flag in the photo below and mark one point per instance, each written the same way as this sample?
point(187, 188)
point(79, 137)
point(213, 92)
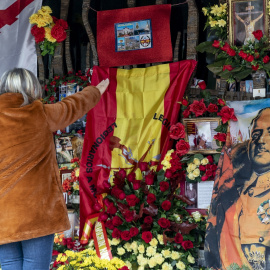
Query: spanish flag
point(130, 124)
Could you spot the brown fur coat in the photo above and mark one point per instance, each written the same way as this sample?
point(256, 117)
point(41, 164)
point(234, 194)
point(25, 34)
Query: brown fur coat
point(31, 197)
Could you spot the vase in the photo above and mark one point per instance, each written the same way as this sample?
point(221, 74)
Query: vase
point(259, 78)
point(76, 199)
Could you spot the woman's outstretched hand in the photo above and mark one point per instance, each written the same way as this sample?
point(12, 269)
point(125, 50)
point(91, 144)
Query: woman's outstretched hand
point(102, 86)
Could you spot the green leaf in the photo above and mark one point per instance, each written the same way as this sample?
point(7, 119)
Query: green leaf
point(199, 156)
point(216, 157)
point(226, 74)
point(206, 47)
point(243, 74)
point(219, 63)
point(214, 69)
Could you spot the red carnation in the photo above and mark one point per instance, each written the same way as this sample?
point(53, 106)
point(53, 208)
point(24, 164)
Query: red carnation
point(38, 33)
point(255, 67)
point(107, 202)
point(182, 147)
point(143, 166)
point(225, 47)
point(109, 224)
point(103, 216)
point(124, 268)
point(220, 137)
point(122, 173)
point(187, 244)
point(132, 200)
point(216, 44)
point(148, 220)
point(177, 131)
point(125, 235)
point(202, 168)
point(213, 167)
point(212, 108)
point(164, 223)
point(136, 184)
point(258, 34)
point(250, 58)
point(147, 236)
point(133, 231)
point(151, 198)
point(117, 221)
point(106, 184)
point(198, 107)
point(209, 173)
point(178, 238)
point(168, 173)
point(128, 215)
point(62, 23)
point(166, 205)
point(204, 178)
point(227, 67)
point(164, 186)
point(231, 52)
point(210, 159)
point(131, 177)
point(202, 85)
point(266, 59)
point(149, 179)
point(116, 233)
point(227, 114)
point(221, 102)
point(186, 112)
point(243, 54)
point(184, 102)
point(59, 33)
point(111, 209)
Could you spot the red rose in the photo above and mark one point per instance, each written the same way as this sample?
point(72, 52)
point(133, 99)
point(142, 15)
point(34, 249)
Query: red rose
point(168, 173)
point(208, 167)
point(202, 168)
point(122, 173)
point(124, 268)
point(186, 112)
point(184, 102)
point(258, 34)
point(128, 215)
point(164, 186)
point(103, 216)
point(204, 178)
point(148, 220)
point(117, 221)
point(212, 108)
point(250, 58)
point(221, 102)
point(178, 238)
point(216, 44)
point(210, 159)
point(182, 147)
point(106, 184)
point(243, 54)
point(116, 233)
point(198, 107)
point(220, 137)
point(133, 231)
point(38, 33)
point(107, 202)
point(208, 173)
point(166, 205)
point(62, 23)
point(136, 184)
point(227, 114)
point(151, 198)
point(147, 236)
point(227, 67)
point(109, 224)
point(111, 209)
point(225, 47)
point(164, 223)
point(59, 33)
point(125, 235)
point(131, 177)
point(116, 192)
point(149, 179)
point(143, 166)
point(187, 244)
point(132, 200)
point(255, 67)
point(266, 59)
point(202, 85)
point(213, 167)
point(177, 131)
point(231, 52)
point(122, 196)
point(97, 207)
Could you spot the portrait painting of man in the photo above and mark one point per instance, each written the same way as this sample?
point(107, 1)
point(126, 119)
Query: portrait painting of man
point(239, 217)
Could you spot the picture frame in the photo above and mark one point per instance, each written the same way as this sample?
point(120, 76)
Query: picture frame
point(249, 86)
point(64, 174)
point(200, 134)
point(244, 17)
point(191, 192)
point(64, 151)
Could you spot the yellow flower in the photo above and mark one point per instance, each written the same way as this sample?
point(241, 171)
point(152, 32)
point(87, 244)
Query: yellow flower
point(152, 262)
point(75, 186)
point(205, 11)
point(140, 268)
point(46, 9)
point(215, 10)
point(115, 242)
point(175, 255)
point(221, 23)
point(77, 172)
point(159, 258)
point(48, 35)
point(166, 266)
point(153, 242)
point(191, 176)
point(33, 18)
point(166, 253)
point(196, 172)
point(160, 239)
point(120, 251)
point(127, 246)
point(128, 264)
point(192, 166)
point(151, 251)
point(190, 259)
point(141, 260)
point(213, 23)
point(166, 164)
point(223, 8)
point(196, 161)
point(141, 248)
point(196, 215)
point(180, 265)
point(204, 161)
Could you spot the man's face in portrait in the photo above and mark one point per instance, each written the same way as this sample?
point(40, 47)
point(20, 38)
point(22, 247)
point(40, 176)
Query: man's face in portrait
point(259, 144)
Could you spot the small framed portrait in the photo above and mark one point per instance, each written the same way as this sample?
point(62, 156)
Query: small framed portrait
point(242, 86)
point(200, 134)
point(246, 17)
point(249, 86)
point(65, 174)
point(64, 152)
point(191, 192)
point(232, 87)
point(218, 86)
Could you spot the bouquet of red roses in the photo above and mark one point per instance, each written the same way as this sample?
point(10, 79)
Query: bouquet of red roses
point(147, 221)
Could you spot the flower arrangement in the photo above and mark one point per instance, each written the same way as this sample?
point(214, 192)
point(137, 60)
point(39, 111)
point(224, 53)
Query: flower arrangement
point(87, 259)
point(47, 30)
point(52, 87)
point(71, 186)
point(232, 62)
point(147, 221)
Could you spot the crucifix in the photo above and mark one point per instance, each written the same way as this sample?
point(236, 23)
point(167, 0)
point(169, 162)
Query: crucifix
point(248, 22)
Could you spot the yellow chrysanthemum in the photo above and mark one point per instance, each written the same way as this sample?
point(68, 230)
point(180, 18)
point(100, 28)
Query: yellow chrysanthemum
point(115, 242)
point(160, 239)
point(166, 266)
point(196, 161)
point(166, 253)
point(33, 18)
point(191, 176)
point(45, 9)
point(48, 35)
point(152, 262)
point(175, 255)
point(221, 23)
point(151, 251)
point(159, 258)
point(76, 186)
point(204, 161)
point(180, 265)
point(190, 259)
point(141, 248)
point(120, 251)
point(153, 242)
point(127, 246)
point(77, 172)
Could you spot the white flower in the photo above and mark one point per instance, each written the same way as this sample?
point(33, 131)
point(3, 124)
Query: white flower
point(191, 176)
point(142, 261)
point(166, 266)
point(192, 166)
point(204, 161)
point(175, 255)
point(190, 259)
point(141, 248)
point(152, 262)
point(180, 265)
point(196, 172)
point(153, 242)
point(120, 251)
point(160, 239)
point(151, 251)
point(196, 161)
point(140, 268)
point(115, 242)
point(177, 217)
point(159, 258)
point(166, 253)
point(196, 215)
point(134, 246)
point(127, 247)
point(128, 264)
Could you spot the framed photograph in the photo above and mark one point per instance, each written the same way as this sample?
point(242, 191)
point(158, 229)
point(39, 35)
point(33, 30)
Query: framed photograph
point(65, 174)
point(249, 86)
point(218, 86)
point(242, 86)
point(244, 18)
point(64, 152)
point(232, 87)
point(191, 191)
point(200, 134)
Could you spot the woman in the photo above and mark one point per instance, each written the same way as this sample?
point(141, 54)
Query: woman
point(31, 199)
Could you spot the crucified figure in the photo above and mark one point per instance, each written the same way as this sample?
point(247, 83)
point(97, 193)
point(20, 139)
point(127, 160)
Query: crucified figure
point(249, 26)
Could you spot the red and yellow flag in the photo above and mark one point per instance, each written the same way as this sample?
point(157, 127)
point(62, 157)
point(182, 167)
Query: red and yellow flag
point(130, 123)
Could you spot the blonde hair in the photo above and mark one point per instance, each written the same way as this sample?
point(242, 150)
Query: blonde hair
point(23, 81)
